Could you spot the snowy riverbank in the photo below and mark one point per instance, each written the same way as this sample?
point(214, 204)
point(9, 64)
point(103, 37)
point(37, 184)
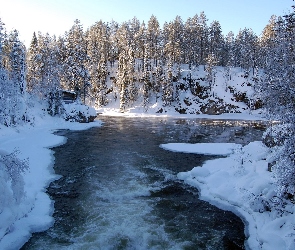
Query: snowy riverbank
point(33, 212)
point(241, 183)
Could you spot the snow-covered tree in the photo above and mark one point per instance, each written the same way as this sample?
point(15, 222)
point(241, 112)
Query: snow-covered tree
point(44, 72)
point(97, 55)
point(14, 92)
point(278, 91)
point(167, 86)
point(211, 62)
point(77, 75)
point(216, 43)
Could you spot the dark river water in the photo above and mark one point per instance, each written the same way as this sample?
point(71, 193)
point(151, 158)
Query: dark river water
point(119, 189)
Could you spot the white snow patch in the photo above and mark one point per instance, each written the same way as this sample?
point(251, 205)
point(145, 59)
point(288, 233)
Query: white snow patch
point(202, 148)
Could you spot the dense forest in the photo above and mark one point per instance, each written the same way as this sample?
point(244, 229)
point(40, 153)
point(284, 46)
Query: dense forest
point(135, 60)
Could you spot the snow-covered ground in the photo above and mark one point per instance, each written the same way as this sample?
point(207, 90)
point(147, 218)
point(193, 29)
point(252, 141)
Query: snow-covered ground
point(33, 213)
point(140, 112)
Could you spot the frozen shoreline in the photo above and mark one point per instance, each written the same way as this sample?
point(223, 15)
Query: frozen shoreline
point(138, 112)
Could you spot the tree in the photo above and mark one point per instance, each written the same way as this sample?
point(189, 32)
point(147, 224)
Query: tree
point(210, 69)
point(167, 95)
point(14, 92)
point(44, 72)
point(266, 42)
point(97, 54)
point(123, 80)
point(278, 91)
point(77, 75)
point(246, 49)
point(216, 43)
point(33, 66)
point(153, 40)
point(173, 43)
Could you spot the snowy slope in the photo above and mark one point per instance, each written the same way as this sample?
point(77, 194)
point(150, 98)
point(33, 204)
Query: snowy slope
point(233, 91)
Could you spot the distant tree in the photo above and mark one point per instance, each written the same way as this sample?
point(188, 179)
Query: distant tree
point(153, 39)
point(266, 42)
point(44, 72)
point(216, 43)
point(6, 89)
point(33, 66)
point(246, 49)
point(167, 86)
point(211, 62)
point(123, 81)
point(98, 45)
point(77, 75)
point(14, 55)
point(173, 43)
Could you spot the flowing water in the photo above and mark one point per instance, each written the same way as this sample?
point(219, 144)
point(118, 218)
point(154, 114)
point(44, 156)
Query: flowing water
point(119, 189)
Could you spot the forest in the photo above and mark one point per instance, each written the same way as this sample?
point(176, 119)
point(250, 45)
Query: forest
point(135, 60)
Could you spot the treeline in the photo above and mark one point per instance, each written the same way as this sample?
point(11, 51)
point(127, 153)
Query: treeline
point(146, 53)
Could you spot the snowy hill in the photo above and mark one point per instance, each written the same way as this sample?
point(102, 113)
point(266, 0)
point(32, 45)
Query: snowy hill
point(231, 90)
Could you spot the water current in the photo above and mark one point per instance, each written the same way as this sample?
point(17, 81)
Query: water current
point(118, 189)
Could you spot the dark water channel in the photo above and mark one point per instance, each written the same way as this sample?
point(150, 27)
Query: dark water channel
point(119, 190)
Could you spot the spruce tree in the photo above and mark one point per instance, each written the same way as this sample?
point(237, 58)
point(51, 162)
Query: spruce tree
point(77, 75)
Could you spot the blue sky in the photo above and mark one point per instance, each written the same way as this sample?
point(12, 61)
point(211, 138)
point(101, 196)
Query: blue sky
point(57, 16)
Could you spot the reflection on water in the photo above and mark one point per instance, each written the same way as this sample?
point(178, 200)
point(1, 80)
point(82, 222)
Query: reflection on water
point(119, 189)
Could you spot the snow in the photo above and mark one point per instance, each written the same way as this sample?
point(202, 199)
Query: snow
point(202, 148)
point(241, 183)
point(34, 212)
point(139, 112)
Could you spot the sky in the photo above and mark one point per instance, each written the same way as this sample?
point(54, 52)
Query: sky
point(57, 16)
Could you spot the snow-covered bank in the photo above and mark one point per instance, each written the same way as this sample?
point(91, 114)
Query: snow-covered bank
point(33, 212)
point(139, 112)
point(242, 183)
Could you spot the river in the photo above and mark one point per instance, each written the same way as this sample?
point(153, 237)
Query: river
point(118, 189)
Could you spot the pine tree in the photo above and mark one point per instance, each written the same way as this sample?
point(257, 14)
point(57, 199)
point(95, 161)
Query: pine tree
point(33, 67)
point(173, 43)
point(44, 72)
point(266, 42)
point(246, 49)
point(278, 91)
point(211, 62)
point(167, 95)
point(202, 39)
point(97, 53)
point(153, 40)
point(14, 64)
point(216, 43)
point(77, 75)
point(5, 88)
